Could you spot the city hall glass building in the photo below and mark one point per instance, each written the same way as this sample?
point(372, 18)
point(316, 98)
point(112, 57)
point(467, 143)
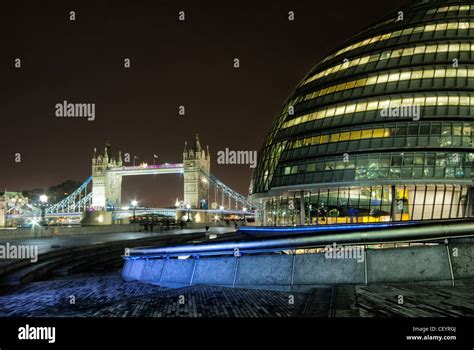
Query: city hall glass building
point(381, 129)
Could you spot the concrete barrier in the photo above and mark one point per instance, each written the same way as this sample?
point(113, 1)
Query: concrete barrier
point(215, 271)
point(265, 270)
point(429, 264)
point(408, 264)
point(462, 258)
point(178, 271)
point(317, 269)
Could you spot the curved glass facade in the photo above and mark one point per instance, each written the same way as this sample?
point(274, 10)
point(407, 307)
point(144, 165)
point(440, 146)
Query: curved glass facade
point(381, 129)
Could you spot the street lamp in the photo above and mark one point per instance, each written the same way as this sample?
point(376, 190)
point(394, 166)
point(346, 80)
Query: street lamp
point(222, 212)
point(43, 200)
point(188, 206)
point(244, 210)
point(134, 206)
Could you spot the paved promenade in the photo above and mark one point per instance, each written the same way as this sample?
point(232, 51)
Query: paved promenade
point(106, 295)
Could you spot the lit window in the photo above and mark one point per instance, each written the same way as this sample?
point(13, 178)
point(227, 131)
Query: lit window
point(340, 87)
point(454, 47)
point(371, 106)
point(350, 85)
point(405, 76)
point(431, 101)
point(350, 108)
point(430, 28)
point(344, 136)
point(453, 100)
point(407, 101)
point(452, 26)
point(371, 80)
point(442, 101)
point(340, 110)
point(419, 101)
point(361, 107)
point(419, 50)
point(330, 111)
point(462, 73)
point(355, 135)
point(363, 60)
point(366, 134)
point(439, 73)
point(379, 133)
point(361, 82)
point(382, 79)
point(416, 75)
point(396, 76)
point(428, 74)
point(443, 48)
point(464, 101)
point(451, 73)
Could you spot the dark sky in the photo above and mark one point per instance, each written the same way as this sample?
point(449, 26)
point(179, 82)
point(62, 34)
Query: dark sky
point(173, 63)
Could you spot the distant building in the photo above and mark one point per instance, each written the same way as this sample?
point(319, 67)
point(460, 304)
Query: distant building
point(12, 205)
point(381, 129)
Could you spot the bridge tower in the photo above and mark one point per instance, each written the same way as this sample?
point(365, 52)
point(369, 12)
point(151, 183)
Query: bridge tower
point(196, 188)
point(106, 186)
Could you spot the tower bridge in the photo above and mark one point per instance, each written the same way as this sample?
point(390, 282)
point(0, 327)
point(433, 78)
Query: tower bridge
point(102, 191)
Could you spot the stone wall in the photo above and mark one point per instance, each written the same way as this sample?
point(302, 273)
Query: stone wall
point(428, 264)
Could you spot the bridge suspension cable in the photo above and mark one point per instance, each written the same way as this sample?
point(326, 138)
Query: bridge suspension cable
point(75, 202)
point(226, 190)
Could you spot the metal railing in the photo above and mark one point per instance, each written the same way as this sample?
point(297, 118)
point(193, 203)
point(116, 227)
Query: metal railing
point(399, 234)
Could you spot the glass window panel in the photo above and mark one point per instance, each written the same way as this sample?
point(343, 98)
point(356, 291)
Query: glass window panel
point(419, 50)
point(340, 110)
point(366, 134)
point(428, 74)
point(350, 85)
point(361, 107)
point(439, 73)
point(442, 101)
point(371, 80)
point(372, 105)
point(406, 76)
point(344, 136)
point(361, 82)
point(394, 77)
point(416, 75)
point(451, 73)
point(355, 135)
point(350, 108)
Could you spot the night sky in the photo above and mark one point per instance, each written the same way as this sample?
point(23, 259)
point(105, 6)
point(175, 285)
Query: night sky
point(173, 63)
